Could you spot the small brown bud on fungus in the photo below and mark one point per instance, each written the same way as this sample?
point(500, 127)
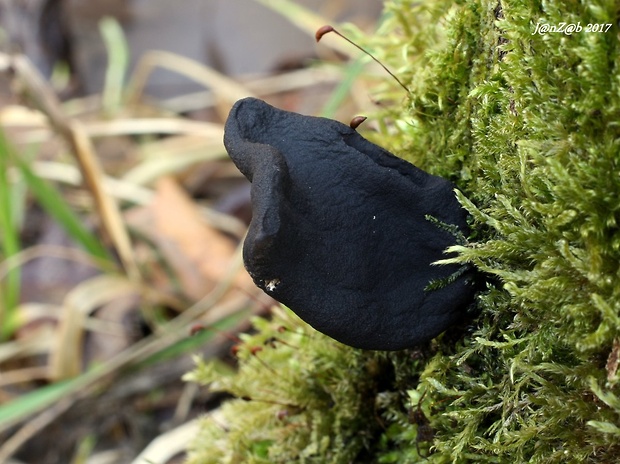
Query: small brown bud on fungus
point(356, 121)
point(344, 228)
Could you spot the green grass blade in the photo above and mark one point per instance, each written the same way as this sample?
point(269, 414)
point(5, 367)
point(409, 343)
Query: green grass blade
point(54, 204)
point(192, 342)
point(37, 400)
point(9, 245)
point(118, 59)
point(24, 405)
point(341, 92)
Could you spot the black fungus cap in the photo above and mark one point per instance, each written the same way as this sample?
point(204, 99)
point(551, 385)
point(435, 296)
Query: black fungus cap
point(340, 230)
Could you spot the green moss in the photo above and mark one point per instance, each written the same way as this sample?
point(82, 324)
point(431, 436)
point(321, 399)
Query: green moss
point(302, 397)
point(527, 128)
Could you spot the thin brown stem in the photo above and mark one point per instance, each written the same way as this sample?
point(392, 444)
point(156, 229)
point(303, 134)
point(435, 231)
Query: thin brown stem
point(327, 28)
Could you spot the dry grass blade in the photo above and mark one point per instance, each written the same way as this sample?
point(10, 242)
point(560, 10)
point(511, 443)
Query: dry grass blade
point(168, 445)
point(295, 80)
point(224, 87)
point(121, 126)
point(66, 357)
point(173, 154)
point(108, 209)
point(117, 188)
point(134, 193)
point(306, 20)
point(26, 374)
point(21, 348)
point(20, 116)
point(172, 332)
point(73, 133)
point(96, 378)
point(268, 85)
point(38, 251)
point(33, 427)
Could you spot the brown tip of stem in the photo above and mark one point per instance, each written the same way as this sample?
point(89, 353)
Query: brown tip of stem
point(356, 121)
point(321, 31)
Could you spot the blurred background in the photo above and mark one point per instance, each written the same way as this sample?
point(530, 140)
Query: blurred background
point(121, 216)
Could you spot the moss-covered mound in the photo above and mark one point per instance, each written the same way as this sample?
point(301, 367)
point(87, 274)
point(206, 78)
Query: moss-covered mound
point(527, 125)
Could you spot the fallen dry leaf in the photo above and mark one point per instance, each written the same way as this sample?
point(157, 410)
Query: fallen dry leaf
point(198, 254)
point(67, 355)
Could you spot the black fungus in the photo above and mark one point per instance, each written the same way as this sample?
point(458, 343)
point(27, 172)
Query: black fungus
point(345, 233)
